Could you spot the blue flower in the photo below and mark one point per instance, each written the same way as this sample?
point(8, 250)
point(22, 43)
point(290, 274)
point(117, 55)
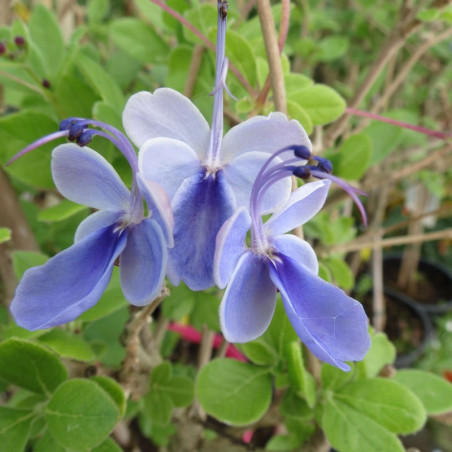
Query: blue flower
point(206, 175)
point(331, 324)
point(73, 281)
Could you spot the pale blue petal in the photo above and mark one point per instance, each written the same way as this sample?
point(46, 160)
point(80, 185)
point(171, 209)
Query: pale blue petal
point(165, 113)
point(167, 162)
point(85, 177)
point(331, 324)
point(201, 206)
point(298, 249)
point(263, 134)
point(159, 206)
point(97, 220)
point(230, 245)
point(241, 173)
point(304, 203)
point(69, 283)
point(249, 301)
point(142, 265)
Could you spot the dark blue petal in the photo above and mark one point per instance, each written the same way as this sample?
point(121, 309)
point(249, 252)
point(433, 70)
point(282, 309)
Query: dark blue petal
point(143, 263)
point(69, 283)
point(331, 324)
point(201, 206)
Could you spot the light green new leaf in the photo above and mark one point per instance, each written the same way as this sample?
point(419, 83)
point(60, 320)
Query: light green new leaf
point(434, 392)
point(298, 113)
point(349, 431)
point(321, 103)
point(381, 353)
point(80, 414)
point(5, 235)
point(234, 392)
point(385, 401)
point(30, 366)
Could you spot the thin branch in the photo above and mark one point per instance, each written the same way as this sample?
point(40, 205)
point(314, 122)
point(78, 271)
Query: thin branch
point(21, 82)
point(195, 65)
point(393, 241)
point(273, 55)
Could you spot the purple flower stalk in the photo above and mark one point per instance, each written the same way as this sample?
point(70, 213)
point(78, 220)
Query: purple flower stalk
point(206, 175)
point(331, 324)
point(73, 281)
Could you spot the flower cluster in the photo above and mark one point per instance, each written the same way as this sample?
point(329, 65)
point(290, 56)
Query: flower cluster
point(202, 192)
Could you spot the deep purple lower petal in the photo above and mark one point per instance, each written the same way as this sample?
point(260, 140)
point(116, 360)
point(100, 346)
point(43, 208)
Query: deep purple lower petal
point(143, 263)
point(201, 205)
point(331, 324)
point(69, 283)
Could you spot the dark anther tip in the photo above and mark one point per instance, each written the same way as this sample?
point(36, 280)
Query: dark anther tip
point(324, 164)
point(85, 138)
point(302, 152)
point(66, 124)
point(75, 131)
point(19, 41)
point(303, 172)
point(2, 48)
point(45, 83)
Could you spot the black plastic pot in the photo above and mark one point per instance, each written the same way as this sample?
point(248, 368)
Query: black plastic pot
point(407, 326)
point(432, 289)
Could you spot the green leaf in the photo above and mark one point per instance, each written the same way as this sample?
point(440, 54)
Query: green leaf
point(96, 10)
point(296, 82)
point(333, 378)
point(427, 15)
point(37, 370)
point(179, 303)
point(17, 131)
point(321, 103)
point(101, 81)
point(15, 426)
point(80, 414)
point(434, 392)
point(48, 443)
point(241, 55)
point(158, 407)
point(63, 210)
point(234, 392)
point(139, 40)
point(205, 311)
point(202, 17)
point(293, 406)
point(385, 401)
point(349, 431)
point(5, 235)
point(381, 353)
point(108, 445)
point(68, 345)
point(341, 272)
point(23, 260)
point(385, 139)
point(301, 381)
point(46, 36)
point(298, 113)
point(332, 48)
point(282, 443)
point(113, 389)
point(354, 157)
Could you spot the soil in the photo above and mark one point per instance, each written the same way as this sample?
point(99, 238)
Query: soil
point(403, 327)
point(428, 285)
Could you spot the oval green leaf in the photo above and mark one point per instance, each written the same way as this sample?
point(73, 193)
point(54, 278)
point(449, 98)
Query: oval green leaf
point(234, 392)
point(80, 414)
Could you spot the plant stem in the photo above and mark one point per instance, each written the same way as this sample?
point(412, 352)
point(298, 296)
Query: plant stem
point(273, 55)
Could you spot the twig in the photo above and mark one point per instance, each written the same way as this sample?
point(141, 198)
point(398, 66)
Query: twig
point(273, 56)
point(378, 301)
point(193, 71)
point(394, 42)
point(130, 365)
point(393, 241)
